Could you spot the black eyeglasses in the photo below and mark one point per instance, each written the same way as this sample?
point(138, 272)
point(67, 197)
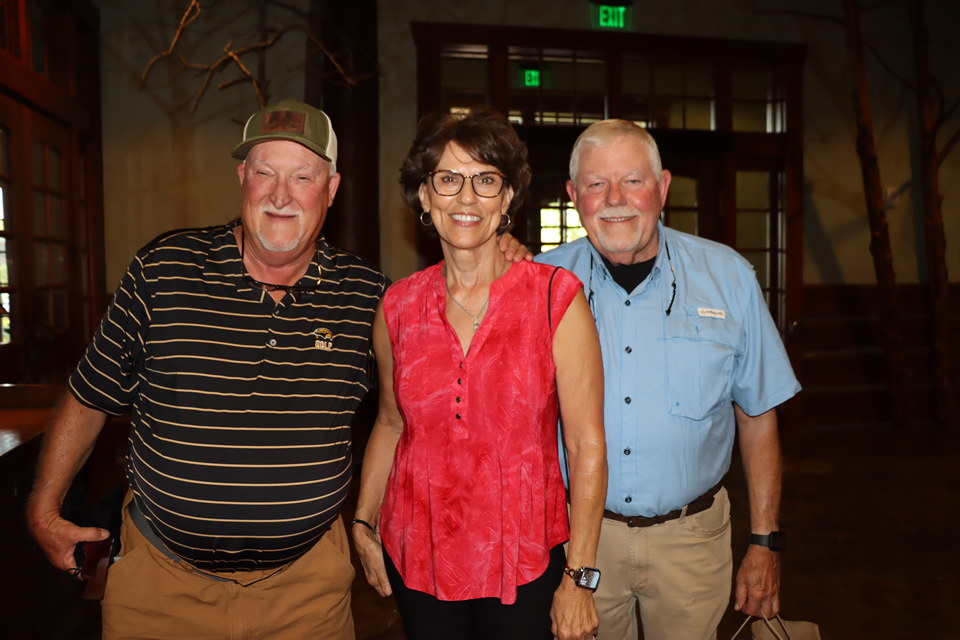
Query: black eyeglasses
point(673, 296)
point(267, 286)
point(450, 183)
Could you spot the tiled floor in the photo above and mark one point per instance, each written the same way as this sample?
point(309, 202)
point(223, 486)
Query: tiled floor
point(873, 526)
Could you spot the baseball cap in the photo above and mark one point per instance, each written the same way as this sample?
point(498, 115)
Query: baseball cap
point(290, 120)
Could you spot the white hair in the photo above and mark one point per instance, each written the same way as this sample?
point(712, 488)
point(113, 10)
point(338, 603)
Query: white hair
point(606, 132)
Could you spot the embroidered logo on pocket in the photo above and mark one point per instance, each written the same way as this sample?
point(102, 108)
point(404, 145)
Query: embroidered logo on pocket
point(324, 339)
point(711, 313)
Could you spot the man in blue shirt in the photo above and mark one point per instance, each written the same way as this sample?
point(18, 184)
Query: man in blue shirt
point(691, 356)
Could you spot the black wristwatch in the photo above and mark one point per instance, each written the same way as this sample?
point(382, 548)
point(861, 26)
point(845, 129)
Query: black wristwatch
point(584, 577)
point(775, 540)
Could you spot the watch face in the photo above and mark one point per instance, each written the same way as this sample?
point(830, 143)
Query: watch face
point(778, 541)
point(588, 578)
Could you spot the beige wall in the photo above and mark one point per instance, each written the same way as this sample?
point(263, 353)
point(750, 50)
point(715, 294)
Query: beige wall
point(836, 235)
point(166, 171)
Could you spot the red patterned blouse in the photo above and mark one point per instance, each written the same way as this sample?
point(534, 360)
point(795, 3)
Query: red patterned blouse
point(475, 500)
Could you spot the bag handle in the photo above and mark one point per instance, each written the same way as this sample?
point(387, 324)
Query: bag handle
point(766, 621)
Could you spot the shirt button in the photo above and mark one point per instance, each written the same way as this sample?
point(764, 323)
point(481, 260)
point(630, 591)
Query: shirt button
point(627, 400)
point(461, 364)
point(626, 452)
point(628, 500)
point(627, 303)
point(458, 398)
point(272, 342)
point(458, 416)
point(628, 350)
point(459, 381)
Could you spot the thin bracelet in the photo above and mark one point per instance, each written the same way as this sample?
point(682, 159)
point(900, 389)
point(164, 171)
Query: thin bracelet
point(364, 523)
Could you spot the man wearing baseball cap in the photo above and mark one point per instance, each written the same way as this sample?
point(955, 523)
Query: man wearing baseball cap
point(242, 351)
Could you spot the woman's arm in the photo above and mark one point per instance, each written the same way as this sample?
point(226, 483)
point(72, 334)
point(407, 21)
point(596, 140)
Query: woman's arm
point(377, 461)
point(576, 352)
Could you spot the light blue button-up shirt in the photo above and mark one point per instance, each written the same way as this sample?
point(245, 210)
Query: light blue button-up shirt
point(669, 380)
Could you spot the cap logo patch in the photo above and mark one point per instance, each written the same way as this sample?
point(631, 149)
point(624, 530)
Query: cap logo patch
point(292, 121)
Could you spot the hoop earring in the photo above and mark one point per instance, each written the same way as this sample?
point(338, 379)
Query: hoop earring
point(428, 221)
point(507, 223)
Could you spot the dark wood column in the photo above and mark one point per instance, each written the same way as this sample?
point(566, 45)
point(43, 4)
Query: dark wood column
point(348, 30)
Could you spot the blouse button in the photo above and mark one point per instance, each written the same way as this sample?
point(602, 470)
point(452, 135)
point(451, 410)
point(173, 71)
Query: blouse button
point(458, 416)
point(459, 381)
point(458, 398)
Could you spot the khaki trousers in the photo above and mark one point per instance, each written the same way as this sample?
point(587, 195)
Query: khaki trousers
point(679, 572)
point(149, 596)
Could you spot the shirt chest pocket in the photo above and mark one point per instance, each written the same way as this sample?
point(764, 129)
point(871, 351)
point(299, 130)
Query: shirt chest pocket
point(701, 357)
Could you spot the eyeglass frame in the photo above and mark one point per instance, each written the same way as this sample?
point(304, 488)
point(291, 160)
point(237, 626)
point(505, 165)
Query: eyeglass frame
point(430, 176)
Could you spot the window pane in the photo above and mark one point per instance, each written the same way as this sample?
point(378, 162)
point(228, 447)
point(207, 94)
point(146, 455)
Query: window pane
point(699, 82)
point(56, 216)
point(4, 265)
point(636, 77)
point(4, 190)
point(41, 263)
point(750, 116)
point(53, 174)
point(751, 84)
point(752, 230)
point(41, 308)
point(463, 73)
point(39, 213)
point(753, 190)
point(56, 263)
point(683, 192)
point(699, 114)
point(572, 233)
point(5, 324)
point(685, 221)
point(592, 76)
point(549, 217)
point(550, 235)
point(668, 80)
point(38, 162)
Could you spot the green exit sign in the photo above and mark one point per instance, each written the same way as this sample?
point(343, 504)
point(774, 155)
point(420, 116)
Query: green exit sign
point(612, 17)
point(531, 77)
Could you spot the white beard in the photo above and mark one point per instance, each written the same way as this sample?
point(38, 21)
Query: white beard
point(291, 244)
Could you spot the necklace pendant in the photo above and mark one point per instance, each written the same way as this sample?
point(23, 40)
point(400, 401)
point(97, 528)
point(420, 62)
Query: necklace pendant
point(476, 325)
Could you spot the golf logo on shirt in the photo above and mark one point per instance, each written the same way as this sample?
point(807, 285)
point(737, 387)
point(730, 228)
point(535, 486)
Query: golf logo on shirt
point(324, 339)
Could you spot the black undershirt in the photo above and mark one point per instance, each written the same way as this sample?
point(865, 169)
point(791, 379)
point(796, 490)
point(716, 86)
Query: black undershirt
point(628, 276)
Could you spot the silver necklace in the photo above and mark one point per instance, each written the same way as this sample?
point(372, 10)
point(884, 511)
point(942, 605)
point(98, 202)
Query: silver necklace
point(476, 318)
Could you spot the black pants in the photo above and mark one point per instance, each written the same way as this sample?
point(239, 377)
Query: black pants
point(427, 618)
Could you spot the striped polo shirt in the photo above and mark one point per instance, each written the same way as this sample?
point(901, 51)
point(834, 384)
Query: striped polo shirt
point(240, 446)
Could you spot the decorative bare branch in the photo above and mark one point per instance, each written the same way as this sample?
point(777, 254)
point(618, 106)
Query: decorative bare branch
point(189, 16)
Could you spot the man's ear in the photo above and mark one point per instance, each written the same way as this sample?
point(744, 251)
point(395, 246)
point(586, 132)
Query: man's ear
point(240, 171)
point(664, 187)
point(572, 192)
point(332, 185)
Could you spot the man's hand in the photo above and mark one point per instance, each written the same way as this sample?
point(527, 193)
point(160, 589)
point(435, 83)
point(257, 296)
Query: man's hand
point(370, 549)
point(58, 538)
point(513, 250)
point(758, 583)
point(573, 614)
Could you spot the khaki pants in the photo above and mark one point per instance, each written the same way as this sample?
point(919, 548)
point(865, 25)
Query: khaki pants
point(149, 596)
point(679, 571)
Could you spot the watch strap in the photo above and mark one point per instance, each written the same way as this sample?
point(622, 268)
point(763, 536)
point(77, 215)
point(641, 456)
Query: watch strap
point(775, 540)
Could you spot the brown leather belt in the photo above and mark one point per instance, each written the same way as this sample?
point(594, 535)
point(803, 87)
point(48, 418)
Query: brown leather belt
point(702, 503)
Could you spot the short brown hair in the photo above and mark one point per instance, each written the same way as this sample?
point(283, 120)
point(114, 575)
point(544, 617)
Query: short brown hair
point(484, 134)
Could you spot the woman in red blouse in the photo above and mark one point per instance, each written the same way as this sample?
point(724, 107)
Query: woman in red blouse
point(462, 512)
